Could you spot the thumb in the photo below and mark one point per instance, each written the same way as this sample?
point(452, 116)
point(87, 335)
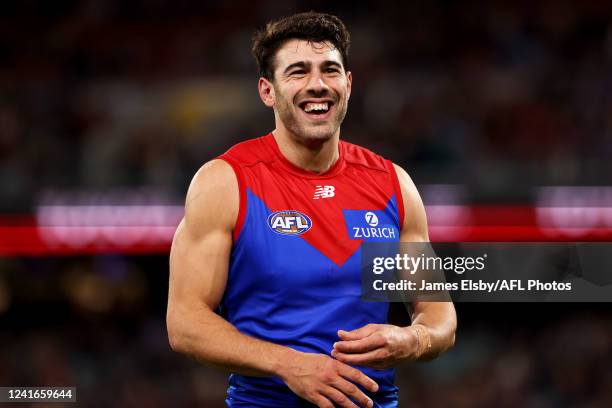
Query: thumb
point(357, 334)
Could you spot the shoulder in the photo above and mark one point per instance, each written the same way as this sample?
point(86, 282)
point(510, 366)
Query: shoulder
point(361, 156)
point(213, 198)
point(247, 152)
point(406, 182)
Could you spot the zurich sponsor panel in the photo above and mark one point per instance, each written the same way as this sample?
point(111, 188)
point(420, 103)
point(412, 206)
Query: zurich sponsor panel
point(289, 222)
point(370, 225)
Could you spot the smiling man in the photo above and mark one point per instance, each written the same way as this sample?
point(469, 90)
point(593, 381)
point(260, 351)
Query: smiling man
point(269, 239)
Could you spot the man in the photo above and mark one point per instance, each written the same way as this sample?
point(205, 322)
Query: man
point(271, 237)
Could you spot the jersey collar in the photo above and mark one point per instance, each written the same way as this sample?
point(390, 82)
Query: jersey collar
point(292, 168)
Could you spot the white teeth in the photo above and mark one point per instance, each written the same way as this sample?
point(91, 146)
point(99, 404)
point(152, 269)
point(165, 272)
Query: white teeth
point(316, 106)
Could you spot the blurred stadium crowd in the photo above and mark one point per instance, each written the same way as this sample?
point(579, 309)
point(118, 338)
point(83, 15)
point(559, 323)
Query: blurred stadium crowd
point(498, 97)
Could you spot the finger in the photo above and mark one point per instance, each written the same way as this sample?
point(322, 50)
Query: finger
point(369, 359)
point(352, 391)
point(341, 398)
point(369, 343)
point(357, 377)
point(359, 333)
point(321, 402)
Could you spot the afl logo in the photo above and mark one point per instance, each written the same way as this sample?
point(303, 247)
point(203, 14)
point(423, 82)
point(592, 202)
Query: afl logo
point(289, 222)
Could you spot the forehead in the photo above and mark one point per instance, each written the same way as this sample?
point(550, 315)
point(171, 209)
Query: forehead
point(301, 50)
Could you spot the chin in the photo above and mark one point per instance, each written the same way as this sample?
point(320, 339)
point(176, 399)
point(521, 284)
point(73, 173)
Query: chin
point(320, 133)
point(316, 137)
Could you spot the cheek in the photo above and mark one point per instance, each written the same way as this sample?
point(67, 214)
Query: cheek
point(289, 91)
point(342, 88)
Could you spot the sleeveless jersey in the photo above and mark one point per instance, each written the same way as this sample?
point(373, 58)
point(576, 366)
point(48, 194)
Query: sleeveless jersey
point(294, 274)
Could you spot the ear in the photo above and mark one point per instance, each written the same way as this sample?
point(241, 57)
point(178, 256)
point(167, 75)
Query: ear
point(266, 92)
point(349, 83)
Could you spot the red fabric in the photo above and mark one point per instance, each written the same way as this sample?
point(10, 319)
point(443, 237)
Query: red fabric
point(362, 180)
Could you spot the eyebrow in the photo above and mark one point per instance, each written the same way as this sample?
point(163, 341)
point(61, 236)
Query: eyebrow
point(304, 64)
point(329, 63)
point(299, 64)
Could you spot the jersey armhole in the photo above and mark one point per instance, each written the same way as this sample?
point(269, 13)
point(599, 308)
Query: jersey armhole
point(398, 193)
point(241, 193)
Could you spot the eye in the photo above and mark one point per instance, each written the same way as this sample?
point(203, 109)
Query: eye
point(297, 72)
point(332, 70)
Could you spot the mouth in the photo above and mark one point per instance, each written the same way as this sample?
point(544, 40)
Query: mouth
point(316, 109)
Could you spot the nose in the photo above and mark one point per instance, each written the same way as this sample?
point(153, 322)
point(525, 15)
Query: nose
point(316, 83)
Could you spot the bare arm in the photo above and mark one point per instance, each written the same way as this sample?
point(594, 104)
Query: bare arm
point(438, 318)
point(433, 323)
point(199, 262)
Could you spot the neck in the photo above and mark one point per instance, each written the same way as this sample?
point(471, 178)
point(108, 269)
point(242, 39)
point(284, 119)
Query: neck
point(317, 157)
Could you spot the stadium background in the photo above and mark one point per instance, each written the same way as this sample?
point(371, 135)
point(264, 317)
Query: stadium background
point(501, 112)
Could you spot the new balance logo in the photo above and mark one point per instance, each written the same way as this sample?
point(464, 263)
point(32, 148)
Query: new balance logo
point(324, 192)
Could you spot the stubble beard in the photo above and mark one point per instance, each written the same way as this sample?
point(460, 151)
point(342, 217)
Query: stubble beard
point(304, 133)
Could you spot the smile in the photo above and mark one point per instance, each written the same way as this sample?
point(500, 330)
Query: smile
point(316, 109)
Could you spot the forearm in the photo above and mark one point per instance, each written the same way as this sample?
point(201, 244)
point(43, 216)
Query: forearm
point(207, 337)
point(438, 323)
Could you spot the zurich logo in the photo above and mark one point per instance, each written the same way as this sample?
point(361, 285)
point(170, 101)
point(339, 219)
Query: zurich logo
point(371, 225)
point(289, 222)
point(371, 219)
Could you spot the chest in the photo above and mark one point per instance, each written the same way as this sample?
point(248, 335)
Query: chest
point(333, 216)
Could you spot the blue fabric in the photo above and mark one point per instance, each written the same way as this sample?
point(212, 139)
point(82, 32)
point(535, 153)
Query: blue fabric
point(242, 393)
point(282, 289)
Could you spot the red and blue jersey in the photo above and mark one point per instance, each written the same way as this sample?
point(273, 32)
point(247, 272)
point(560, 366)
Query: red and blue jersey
point(294, 275)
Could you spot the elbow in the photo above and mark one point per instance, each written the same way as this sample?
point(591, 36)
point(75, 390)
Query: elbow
point(176, 338)
point(174, 341)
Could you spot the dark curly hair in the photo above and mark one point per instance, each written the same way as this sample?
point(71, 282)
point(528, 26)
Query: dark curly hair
point(310, 26)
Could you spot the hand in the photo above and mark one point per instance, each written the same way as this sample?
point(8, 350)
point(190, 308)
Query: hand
point(376, 345)
point(322, 380)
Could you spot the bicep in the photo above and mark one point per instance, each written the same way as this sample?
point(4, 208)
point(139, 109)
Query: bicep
point(199, 258)
point(198, 267)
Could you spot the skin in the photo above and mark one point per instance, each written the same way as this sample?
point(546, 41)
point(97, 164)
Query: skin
point(307, 72)
point(201, 248)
